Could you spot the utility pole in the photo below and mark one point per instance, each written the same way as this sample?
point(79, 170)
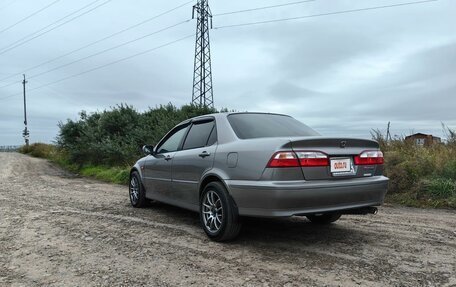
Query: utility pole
point(388, 134)
point(25, 133)
point(202, 75)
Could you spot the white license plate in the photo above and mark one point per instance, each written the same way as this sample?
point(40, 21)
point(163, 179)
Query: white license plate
point(340, 165)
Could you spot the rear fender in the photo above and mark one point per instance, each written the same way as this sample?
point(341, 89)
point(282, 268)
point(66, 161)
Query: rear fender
point(214, 173)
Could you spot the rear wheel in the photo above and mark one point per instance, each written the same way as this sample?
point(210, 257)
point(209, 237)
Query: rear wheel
point(325, 218)
point(218, 213)
point(136, 191)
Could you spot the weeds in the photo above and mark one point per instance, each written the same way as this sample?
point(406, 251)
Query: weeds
point(420, 176)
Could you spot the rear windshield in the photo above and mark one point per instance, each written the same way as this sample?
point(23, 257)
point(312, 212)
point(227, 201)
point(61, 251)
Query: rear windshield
point(250, 126)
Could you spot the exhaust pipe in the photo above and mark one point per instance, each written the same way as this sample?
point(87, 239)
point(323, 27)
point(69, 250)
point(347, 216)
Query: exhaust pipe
point(362, 211)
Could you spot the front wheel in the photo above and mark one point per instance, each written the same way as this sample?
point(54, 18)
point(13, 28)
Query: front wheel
point(218, 213)
point(136, 191)
point(326, 218)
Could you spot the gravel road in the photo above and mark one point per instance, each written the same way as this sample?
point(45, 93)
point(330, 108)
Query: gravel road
point(58, 229)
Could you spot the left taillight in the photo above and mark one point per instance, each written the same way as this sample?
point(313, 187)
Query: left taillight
point(370, 157)
point(298, 159)
point(284, 159)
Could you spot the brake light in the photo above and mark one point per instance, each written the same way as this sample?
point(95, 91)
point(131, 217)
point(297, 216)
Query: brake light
point(312, 158)
point(284, 159)
point(370, 157)
point(300, 158)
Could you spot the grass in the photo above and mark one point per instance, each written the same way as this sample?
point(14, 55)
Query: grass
point(111, 174)
point(409, 199)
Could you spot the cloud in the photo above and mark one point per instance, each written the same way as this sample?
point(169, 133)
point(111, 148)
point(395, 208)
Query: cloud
point(341, 74)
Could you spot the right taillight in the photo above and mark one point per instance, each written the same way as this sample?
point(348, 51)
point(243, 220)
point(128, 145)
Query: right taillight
point(370, 157)
point(298, 159)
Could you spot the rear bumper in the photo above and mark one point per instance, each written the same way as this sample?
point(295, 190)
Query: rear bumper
point(287, 198)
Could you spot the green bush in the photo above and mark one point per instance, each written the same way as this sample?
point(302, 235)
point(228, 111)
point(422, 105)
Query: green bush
point(104, 145)
point(114, 137)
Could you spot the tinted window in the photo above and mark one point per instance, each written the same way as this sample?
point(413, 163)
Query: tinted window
point(198, 135)
point(213, 137)
point(172, 143)
point(249, 126)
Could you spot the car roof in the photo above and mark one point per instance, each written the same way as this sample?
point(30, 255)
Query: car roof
point(225, 114)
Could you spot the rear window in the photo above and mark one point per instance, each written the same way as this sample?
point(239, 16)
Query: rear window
point(250, 126)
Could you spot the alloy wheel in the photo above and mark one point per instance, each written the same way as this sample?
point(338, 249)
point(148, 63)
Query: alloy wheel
point(212, 211)
point(134, 190)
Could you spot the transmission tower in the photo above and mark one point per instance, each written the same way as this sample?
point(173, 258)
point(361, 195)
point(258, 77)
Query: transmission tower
point(202, 76)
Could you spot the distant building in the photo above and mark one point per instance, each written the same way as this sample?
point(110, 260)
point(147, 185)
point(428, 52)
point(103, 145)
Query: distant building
point(420, 139)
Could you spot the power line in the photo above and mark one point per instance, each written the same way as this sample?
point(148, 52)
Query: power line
point(49, 25)
point(101, 40)
point(9, 48)
point(262, 8)
point(106, 65)
point(323, 14)
point(29, 16)
point(8, 75)
point(102, 52)
point(108, 49)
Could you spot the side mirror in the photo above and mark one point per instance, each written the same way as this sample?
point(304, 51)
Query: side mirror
point(148, 149)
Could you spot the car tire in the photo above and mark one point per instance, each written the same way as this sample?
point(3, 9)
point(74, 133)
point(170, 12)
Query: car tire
point(136, 191)
point(218, 213)
point(323, 219)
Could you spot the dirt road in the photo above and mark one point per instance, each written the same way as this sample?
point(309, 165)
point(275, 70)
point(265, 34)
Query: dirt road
point(57, 229)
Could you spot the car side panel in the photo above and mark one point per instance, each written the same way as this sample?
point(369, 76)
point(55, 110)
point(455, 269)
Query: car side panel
point(157, 176)
point(246, 159)
point(188, 168)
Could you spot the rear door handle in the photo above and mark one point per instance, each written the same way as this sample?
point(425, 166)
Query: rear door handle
point(204, 154)
point(168, 158)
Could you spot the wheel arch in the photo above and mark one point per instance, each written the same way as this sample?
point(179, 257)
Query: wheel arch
point(137, 168)
point(208, 179)
point(211, 177)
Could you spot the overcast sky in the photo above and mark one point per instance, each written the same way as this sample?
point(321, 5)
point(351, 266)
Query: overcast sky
point(341, 74)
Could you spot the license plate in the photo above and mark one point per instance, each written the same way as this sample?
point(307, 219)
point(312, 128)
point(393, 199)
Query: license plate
point(340, 165)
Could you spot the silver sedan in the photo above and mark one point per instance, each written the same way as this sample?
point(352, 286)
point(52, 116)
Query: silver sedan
point(229, 165)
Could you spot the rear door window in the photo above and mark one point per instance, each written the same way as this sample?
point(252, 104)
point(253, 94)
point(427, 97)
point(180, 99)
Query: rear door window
point(213, 137)
point(198, 135)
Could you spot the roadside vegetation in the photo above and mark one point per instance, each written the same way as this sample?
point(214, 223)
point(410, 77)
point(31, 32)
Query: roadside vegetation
point(104, 145)
point(420, 176)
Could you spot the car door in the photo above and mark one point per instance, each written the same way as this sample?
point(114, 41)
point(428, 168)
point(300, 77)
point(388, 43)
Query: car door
point(157, 169)
point(195, 158)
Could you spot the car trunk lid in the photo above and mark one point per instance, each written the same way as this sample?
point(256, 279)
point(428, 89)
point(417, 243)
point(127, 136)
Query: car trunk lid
point(341, 153)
